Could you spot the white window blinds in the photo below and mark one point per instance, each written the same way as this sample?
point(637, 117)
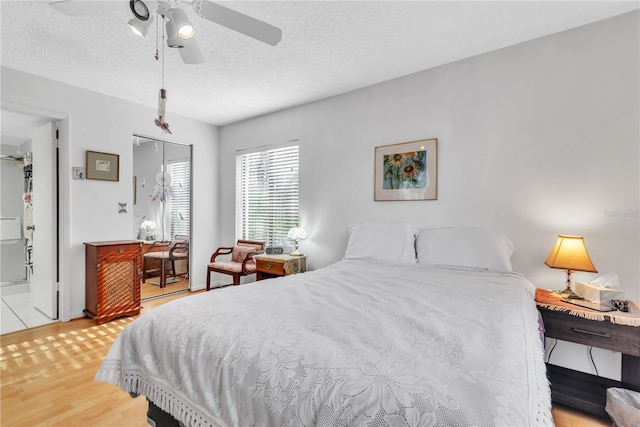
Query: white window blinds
point(180, 172)
point(267, 194)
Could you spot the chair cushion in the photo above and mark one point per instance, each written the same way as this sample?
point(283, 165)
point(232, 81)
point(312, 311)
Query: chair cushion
point(255, 246)
point(157, 254)
point(180, 255)
point(239, 253)
point(231, 266)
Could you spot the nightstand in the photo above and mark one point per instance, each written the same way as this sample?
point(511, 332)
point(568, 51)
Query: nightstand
point(568, 322)
point(268, 266)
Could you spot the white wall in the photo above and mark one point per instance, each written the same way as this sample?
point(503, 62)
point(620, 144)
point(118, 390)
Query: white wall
point(102, 123)
point(535, 140)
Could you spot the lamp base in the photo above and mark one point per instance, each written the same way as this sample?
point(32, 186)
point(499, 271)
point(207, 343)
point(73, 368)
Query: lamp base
point(569, 294)
point(296, 252)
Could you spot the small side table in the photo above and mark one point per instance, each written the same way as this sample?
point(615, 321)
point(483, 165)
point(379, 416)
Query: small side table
point(572, 323)
point(268, 266)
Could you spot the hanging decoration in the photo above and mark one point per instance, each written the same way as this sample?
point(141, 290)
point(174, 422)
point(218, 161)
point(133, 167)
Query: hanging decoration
point(162, 190)
point(162, 96)
point(27, 199)
point(162, 99)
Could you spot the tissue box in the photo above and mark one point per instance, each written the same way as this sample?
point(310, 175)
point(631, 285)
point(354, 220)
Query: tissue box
point(598, 293)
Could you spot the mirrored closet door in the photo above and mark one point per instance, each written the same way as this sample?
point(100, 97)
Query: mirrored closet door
point(162, 213)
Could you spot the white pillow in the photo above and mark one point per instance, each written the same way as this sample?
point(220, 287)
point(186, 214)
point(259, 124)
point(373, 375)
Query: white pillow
point(385, 242)
point(464, 246)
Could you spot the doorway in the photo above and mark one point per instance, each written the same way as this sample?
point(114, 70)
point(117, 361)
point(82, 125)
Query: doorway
point(162, 214)
point(29, 219)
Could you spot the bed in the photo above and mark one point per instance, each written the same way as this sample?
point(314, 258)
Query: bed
point(406, 340)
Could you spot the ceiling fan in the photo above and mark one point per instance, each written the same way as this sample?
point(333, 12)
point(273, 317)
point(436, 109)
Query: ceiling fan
point(180, 32)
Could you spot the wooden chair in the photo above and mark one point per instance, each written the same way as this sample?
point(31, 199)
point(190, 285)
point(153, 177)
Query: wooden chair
point(241, 262)
point(166, 254)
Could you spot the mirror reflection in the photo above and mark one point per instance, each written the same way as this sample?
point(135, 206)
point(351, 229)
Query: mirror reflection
point(162, 213)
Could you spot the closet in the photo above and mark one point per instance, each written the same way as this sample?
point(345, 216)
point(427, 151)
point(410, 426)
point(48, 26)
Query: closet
point(162, 213)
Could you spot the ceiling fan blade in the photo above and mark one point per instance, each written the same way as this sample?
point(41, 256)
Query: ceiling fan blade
point(190, 53)
point(83, 7)
point(239, 22)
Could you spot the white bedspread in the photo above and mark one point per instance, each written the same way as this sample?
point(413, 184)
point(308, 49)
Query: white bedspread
point(357, 343)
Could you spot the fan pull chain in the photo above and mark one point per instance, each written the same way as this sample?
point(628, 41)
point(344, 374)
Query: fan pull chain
point(163, 53)
point(162, 65)
point(162, 96)
point(157, 56)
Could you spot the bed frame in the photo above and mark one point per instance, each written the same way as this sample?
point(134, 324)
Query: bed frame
point(156, 417)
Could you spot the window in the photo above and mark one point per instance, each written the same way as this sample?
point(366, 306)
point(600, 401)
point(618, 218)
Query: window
point(180, 172)
point(267, 194)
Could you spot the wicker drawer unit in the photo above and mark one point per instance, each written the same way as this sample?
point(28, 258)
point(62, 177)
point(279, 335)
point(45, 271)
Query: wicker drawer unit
point(112, 282)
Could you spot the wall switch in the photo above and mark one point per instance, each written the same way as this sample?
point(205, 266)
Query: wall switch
point(78, 173)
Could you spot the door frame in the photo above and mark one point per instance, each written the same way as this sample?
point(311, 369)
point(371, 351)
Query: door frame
point(64, 206)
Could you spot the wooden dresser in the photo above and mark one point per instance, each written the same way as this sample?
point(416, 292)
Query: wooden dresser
point(112, 283)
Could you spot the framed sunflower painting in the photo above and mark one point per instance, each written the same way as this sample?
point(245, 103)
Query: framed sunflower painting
point(407, 171)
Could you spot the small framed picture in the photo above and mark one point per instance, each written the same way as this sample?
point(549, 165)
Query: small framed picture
point(407, 171)
point(103, 166)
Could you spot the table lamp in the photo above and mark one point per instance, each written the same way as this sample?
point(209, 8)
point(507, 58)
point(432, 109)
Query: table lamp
point(570, 254)
point(149, 228)
point(296, 234)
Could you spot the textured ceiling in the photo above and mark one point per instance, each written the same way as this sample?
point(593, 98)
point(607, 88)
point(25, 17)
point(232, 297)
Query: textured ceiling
point(327, 48)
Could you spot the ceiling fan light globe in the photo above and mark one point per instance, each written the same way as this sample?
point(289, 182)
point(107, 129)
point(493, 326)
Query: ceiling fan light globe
point(135, 30)
point(175, 42)
point(139, 27)
point(186, 32)
point(172, 35)
point(139, 9)
point(185, 29)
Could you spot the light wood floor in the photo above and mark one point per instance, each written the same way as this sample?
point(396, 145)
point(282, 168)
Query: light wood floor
point(150, 290)
point(567, 417)
point(47, 378)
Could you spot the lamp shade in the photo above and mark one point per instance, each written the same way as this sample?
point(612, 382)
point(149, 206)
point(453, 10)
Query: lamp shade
point(183, 26)
point(140, 27)
point(570, 253)
point(172, 35)
point(148, 225)
point(296, 233)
